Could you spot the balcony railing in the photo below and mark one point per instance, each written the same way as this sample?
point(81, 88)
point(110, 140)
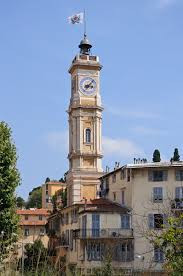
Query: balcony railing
point(177, 204)
point(109, 233)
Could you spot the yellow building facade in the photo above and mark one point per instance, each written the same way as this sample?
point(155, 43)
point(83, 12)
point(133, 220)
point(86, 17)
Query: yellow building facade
point(49, 189)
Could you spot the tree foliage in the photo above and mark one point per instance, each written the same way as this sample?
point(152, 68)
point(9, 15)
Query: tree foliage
point(156, 156)
point(20, 202)
point(9, 180)
point(35, 198)
point(176, 156)
point(47, 180)
point(36, 256)
point(171, 242)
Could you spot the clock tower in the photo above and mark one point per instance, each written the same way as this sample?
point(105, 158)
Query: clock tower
point(85, 122)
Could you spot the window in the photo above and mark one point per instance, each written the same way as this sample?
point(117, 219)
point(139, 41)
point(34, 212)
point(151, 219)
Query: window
point(94, 251)
point(123, 174)
point(128, 175)
point(156, 221)
point(46, 192)
point(26, 232)
point(88, 135)
point(47, 200)
point(42, 232)
point(125, 221)
point(26, 217)
point(123, 252)
point(114, 196)
point(179, 175)
point(46, 186)
point(179, 192)
point(158, 255)
point(74, 215)
point(122, 197)
point(67, 237)
point(157, 194)
point(95, 225)
point(40, 217)
point(158, 175)
point(114, 178)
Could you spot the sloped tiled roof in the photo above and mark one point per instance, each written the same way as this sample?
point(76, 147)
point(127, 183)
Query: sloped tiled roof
point(104, 205)
point(44, 212)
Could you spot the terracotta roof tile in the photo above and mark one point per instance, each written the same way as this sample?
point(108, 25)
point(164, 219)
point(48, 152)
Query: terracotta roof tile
point(44, 212)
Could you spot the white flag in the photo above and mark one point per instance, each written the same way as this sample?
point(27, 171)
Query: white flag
point(76, 18)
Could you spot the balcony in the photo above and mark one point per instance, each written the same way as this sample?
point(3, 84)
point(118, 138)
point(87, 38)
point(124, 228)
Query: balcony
point(106, 233)
point(177, 204)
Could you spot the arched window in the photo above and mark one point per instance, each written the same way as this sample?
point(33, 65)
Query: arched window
point(88, 135)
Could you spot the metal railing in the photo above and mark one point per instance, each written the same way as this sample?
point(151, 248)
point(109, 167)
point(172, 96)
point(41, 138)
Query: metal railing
point(113, 233)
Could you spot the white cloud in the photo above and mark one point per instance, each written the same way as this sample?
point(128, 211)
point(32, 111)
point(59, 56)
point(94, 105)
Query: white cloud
point(147, 131)
point(121, 147)
point(58, 141)
point(137, 114)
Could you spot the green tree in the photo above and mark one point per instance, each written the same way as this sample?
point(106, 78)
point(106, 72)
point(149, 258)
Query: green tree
point(176, 156)
point(156, 156)
point(170, 241)
point(20, 202)
point(9, 180)
point(36, 256)
point(64, 197)
point(47, 180)
point(35, 198)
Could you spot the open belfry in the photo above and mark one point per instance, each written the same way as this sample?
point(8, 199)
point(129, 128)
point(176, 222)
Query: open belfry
point(85, 124)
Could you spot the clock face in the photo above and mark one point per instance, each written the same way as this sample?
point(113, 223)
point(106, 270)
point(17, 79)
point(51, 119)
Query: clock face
point(88, 86)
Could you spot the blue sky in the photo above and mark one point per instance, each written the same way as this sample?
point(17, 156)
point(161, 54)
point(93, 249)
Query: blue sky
point(140, 46)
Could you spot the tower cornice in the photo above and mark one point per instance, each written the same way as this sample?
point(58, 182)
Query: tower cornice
point(84, 107)
point(85, 62)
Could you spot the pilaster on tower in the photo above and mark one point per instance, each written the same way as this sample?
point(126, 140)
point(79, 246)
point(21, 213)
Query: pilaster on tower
point(85, 123)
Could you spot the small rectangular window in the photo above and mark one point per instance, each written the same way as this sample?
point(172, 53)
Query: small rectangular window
point(156, 221)
point(158, 255)
point(157, 194)
point(26, 217)
point(26, 232)
point(114, 178)
point(179, 175)
point(114, 196)
point(122, 197)
point(123, 174)
point(40, 217)
point(128, 175)
point(42, 232)
point(125, 221)
point(158, 175)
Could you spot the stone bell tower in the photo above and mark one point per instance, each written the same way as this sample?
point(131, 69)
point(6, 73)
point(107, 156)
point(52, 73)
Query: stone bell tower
point(85, 123)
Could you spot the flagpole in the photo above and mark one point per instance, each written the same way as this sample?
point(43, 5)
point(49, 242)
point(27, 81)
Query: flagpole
point(84, 23)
